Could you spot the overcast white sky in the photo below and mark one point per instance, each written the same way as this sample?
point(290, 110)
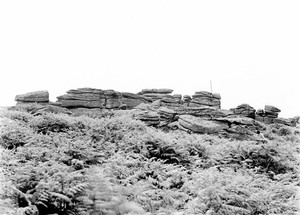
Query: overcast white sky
point(249, 49)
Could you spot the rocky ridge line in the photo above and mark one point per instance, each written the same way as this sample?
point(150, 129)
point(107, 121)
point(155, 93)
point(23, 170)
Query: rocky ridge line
point(199, 113)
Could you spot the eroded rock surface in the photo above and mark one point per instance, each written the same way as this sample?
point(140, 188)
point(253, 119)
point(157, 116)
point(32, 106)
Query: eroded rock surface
point(244, 110)
point(33, 97)
point(199, 113)
point(200, 125)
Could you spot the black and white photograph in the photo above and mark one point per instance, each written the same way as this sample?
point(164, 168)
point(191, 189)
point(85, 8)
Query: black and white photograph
point(161, 107)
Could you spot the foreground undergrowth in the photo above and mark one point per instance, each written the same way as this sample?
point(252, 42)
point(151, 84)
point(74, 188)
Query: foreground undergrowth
point(112, 164)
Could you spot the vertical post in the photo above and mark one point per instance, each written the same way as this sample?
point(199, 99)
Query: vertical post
point(211, 87)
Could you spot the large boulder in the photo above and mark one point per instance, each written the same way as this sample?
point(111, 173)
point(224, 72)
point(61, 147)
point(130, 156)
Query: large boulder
point(83, 98)
point(113, 99)
point(159, 94)
point(204, 98)
point(245, 122)
point(272, 111)
point(244, 110)
point(199, 125)
point(269, 115)
point(204, 112)
point(201, 94)
point(37, 96)
point(132, 100)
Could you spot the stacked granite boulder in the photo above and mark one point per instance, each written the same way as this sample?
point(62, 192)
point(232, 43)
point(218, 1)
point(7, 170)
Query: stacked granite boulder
point(204, 98)
point(97, 98)
point(244, 110)
point(272, 111)
point(156, 94)
point(83, 98)
point(268, 115)
point(132, 100)
point(40, 97)
point(163, 96)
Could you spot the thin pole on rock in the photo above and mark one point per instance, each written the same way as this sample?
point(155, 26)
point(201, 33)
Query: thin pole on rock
point(211, 87)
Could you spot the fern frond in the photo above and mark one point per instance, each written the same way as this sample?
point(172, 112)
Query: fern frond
point(79, 188)
point(60, 196)
point(235, 210)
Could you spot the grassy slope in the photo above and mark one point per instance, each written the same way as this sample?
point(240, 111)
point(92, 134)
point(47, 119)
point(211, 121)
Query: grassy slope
point(113, 164)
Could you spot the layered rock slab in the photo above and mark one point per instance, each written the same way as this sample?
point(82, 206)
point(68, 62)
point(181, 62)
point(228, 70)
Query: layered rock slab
point(132, 100)
point(83, 97)
point(33, 97)
point(199, 125)
point(244, 110)
point(204, 98)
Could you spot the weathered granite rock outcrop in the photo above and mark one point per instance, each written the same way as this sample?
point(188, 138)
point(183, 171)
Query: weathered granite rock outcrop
point(97, 98)
point(201, 120)
point(199, 113)
point(162, 96)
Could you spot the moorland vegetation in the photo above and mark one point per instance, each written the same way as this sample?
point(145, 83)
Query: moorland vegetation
point(110, 163)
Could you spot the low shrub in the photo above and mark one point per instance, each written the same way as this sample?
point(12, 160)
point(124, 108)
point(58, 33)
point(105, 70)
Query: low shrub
point(115, 164)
